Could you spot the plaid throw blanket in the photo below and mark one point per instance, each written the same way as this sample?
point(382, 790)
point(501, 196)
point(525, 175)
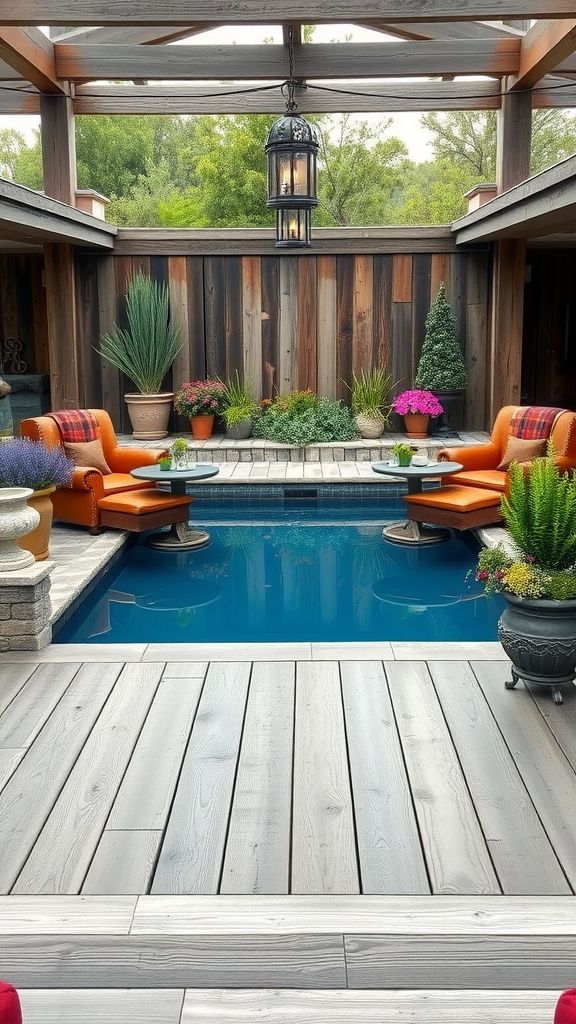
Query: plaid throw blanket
point(533, 422)
point(76, 425)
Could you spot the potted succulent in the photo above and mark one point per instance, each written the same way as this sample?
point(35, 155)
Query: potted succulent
point(370, 401)
point(536, 574)
point(201, 400)
point(31, 464)
point(416, 407)
point(145, 351)
point(239, 408)
point(441, 368)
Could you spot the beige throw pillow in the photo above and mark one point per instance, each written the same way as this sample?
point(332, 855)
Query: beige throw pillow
point(520, 449)
point(88, 453)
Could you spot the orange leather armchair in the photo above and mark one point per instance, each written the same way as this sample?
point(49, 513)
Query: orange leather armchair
point(78, 502)
point(480, 462)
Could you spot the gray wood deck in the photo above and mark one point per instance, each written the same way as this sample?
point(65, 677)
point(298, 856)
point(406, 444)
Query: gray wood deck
point(281, 777)
point(288, 840)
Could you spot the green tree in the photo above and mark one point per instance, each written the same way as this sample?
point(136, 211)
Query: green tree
point(468, 139)
point(27, 164)
point(357, 171)
point(432, 193)
point(142, 207)
point(11, 145)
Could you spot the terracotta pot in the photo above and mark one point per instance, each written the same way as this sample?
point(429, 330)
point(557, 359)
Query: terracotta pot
point(38, 540)
point(201, 427)
point(416, 424)
point(149, 414)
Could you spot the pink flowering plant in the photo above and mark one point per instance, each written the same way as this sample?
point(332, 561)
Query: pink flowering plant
point(423, 402)
point(200, 398)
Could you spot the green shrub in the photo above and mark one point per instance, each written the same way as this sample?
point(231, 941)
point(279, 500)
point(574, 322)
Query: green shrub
point(301, 419)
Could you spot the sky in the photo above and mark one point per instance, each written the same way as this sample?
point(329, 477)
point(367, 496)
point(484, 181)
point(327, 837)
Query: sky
point(406, 126)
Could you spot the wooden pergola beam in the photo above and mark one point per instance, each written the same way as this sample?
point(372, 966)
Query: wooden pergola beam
point(178, 12)
point(446, 30)
point(321, 61)
point(131, 36)
point(543, 48)
point(31, 54)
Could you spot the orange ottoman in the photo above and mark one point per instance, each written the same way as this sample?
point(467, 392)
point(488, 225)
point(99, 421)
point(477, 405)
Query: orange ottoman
point(460, 508)
point(143, 510)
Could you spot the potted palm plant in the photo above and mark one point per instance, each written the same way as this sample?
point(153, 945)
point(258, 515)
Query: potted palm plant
point(31, 464)
point(441, 368)
point(536, 574)
point(145, 351)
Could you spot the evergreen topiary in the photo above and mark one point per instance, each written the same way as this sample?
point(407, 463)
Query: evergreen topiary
point(441, 366)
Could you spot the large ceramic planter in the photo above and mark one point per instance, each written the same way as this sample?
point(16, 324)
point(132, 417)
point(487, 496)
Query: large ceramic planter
point(539, 637)
point(369, 426)
point(16, 520)
point(448, 399)
point(149, 414)
point(416, 424)
point(201, 427)
point(38, 540)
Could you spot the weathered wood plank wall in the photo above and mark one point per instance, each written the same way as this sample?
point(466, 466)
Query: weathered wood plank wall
point(297, 323)
point(284, 321)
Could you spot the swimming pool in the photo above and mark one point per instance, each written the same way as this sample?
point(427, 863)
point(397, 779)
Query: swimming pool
point(282, 573)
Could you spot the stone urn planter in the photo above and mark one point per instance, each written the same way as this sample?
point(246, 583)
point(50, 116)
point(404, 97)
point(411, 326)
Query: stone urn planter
point(17, 519)
point(539, 637)
point(369, 426)
point(241, 431)
point(149, 414)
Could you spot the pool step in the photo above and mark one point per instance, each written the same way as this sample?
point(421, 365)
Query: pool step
point(281, 1006)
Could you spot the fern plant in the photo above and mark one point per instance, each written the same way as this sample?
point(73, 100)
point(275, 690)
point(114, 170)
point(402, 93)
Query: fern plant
point(540, 513)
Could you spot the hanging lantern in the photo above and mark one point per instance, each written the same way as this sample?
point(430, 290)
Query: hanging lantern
point(291, 150)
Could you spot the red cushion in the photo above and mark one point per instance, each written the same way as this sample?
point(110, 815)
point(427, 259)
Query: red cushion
point(566, 1008)
point(9, 1004)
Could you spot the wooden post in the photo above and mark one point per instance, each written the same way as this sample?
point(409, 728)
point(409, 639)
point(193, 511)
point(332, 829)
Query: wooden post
point(65, 384)
point(505, 359)
point(58, 147)
point(513, 140)
point(512, 166)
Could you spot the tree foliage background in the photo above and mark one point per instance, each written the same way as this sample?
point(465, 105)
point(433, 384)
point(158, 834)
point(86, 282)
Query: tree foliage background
point(210, 171)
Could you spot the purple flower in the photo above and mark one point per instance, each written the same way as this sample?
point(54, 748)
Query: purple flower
point(28, 463)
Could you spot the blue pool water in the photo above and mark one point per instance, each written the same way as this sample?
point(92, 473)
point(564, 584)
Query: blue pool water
point(290, 574)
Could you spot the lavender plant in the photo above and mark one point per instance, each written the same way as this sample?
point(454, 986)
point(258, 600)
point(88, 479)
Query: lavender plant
point(28, 463)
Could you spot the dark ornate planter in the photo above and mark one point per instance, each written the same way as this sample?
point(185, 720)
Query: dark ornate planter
point(539, 637)
point(448, 399)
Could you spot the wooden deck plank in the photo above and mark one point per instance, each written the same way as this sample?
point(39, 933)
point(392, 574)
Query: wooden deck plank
point(563, 725)
point(93, 1006)
point(190, 670)
point(29, 794)
point(521, 851)
point(285, 1006)
point(123, 862)
point(9, 760)
point(193, 848)
point(454, 847)
point(454, 961)
point(323, 841)
point(213, 961)
point(546, 773)
point(62, 853)
point(66, 915)
point(12, 679)
point(258, 846)
point(389, 850)
point(144, 797)
point(23, 719)
point(477, 917)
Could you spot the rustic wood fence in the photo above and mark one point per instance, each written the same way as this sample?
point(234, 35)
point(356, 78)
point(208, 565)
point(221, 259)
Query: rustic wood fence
point(285, 321)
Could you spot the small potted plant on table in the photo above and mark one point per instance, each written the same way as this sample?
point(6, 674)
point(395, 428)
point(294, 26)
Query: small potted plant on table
point(403, 453)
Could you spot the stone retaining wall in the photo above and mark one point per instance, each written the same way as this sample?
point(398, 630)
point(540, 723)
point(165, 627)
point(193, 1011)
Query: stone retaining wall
point(25, 608)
